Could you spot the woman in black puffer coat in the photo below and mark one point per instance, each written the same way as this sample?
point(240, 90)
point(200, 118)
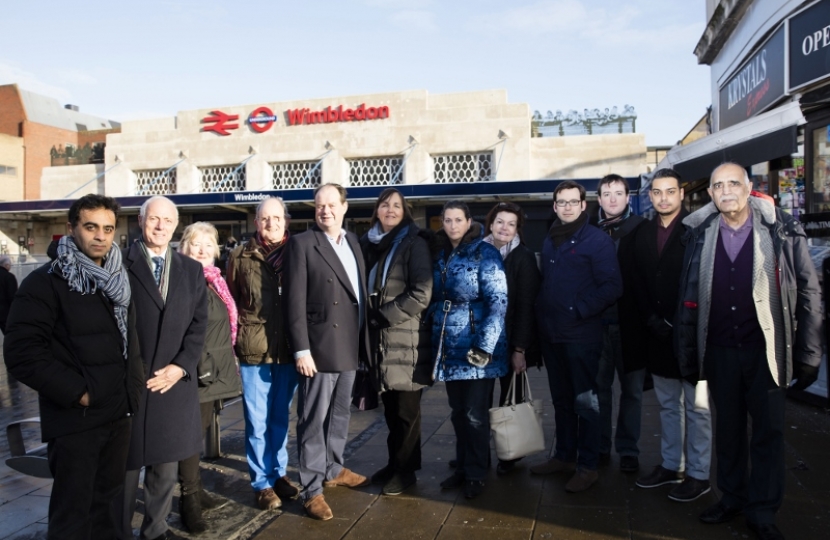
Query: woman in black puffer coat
point(504, 230)
point(400, 288)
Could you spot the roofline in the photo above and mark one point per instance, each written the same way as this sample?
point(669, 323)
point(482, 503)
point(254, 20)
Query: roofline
point(530, 188)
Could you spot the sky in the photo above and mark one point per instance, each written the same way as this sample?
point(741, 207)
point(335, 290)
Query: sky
point(128, 59)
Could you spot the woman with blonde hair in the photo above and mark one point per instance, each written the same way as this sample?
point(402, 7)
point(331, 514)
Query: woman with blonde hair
point(217, 372)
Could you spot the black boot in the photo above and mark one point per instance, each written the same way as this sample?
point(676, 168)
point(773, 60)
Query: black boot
point(190, 509)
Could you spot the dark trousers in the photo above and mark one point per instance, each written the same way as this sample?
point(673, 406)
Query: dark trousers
point(741, 384)
point(470, 404)
point(572, 375)
point(88, 469)
point(323, 413)
point(189, 476)
point(403, 417)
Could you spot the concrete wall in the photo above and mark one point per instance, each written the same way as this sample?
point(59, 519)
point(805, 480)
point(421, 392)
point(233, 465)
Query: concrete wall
point(587, 156)
point(12, 155)
point(58, 182)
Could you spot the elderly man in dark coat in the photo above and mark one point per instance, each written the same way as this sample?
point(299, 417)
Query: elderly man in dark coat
point(171, 302)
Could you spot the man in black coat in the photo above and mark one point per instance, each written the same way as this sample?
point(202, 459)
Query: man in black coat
point(621, 224)
point(325, 302)
point(685, 419)
point(71, 337)
point(8, 288)
point(171, 301)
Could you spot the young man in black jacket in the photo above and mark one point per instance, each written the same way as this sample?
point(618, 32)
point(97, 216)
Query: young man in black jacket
point(71, 337)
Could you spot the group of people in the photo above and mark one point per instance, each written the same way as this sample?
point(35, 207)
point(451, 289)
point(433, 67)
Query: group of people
point(132, 352)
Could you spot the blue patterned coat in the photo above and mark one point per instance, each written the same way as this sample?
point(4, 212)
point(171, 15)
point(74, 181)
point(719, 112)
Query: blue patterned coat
point(473, 279)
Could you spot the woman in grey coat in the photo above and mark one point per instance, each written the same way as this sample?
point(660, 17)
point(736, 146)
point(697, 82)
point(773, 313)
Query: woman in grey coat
point(400, 288)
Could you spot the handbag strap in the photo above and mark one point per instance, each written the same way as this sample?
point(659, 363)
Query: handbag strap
point(511, 392)
point(528, 396)
point(446, 307)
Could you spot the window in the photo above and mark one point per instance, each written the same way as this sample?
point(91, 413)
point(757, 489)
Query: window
point(155, 182)
point(296, 175)
point(376, 171)
point(7, 170)
point(222, 178)
point(454, 168)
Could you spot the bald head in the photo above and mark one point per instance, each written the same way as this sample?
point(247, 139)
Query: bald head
point(729, 188)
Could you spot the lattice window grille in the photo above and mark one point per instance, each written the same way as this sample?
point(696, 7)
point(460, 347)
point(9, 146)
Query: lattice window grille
point(295, 175)
point(457, 168)
point(375, 171)
point(155, 182)
point(222, 178)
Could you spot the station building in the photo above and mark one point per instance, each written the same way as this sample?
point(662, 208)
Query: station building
point(217, 163)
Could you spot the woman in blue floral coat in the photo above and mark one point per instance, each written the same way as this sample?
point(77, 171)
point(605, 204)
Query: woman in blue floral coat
point(469, 303)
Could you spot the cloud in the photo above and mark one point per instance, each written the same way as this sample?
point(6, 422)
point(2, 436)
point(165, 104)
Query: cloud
point(565, 20)
point(27, 80)
point(76, 76)
point(422, 21)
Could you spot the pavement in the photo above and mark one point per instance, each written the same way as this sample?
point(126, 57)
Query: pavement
point(514, 506)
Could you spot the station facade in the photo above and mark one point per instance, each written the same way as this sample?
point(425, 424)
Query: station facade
point(218, 163)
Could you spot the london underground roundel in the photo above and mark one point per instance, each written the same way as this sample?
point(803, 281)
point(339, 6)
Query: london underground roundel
point(261, 119)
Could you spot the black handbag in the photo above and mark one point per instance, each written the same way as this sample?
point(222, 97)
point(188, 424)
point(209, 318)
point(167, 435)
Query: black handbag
point(364, 394)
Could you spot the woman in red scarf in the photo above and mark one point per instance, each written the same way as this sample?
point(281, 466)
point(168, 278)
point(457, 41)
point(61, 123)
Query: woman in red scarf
point(217, 370)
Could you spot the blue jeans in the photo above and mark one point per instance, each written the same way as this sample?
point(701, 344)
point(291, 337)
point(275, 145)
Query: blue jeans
point(470, 404)
point(267, 392)
point(631, 396)
point(572, 374)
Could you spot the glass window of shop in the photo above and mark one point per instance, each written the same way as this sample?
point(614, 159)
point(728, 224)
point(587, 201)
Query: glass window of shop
point(783, 180)
point(820, 185)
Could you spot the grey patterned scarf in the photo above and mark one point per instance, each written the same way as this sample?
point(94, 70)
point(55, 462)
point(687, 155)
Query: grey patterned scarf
point(85, 277)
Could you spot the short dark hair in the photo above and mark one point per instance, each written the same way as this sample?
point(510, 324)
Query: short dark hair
point(609, 179)
point(340, 189)
point(384, 196)
point(667, 173)
point(569, 184)
point(92, 201)
point(456, 205)
point(505, 206)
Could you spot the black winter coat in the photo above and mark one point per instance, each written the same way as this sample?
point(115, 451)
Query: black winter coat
point(217, 372)
point(8, 288)
point(398, 336)
point(656, 281)
point(523, 283)
point(168, 426)
point(62, 344)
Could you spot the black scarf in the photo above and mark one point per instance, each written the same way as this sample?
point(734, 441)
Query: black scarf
point(561, 232)
point(615, 227)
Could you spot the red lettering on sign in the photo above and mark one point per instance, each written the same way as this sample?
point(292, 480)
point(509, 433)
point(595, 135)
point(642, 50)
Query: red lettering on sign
point(330, 114)
point(220, 122)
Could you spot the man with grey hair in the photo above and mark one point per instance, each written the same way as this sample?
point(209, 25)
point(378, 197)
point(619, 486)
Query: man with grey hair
point(269, 379)
point(749, 322)
point(171, 305)
point(8, 288)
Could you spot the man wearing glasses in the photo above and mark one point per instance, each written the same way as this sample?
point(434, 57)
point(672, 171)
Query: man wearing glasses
point(580, 280)
point(749, 321)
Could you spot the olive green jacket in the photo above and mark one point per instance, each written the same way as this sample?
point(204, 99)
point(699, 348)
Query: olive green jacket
point(256, 287)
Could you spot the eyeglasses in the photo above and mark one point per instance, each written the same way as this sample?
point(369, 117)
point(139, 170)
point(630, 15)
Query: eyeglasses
point(563, 204)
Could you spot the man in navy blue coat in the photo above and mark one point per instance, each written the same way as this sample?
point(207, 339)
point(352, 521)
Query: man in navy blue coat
point(580, 280)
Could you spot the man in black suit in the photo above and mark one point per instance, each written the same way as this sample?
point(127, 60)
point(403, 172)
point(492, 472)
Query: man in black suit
point(325, 289)
point(171, 302)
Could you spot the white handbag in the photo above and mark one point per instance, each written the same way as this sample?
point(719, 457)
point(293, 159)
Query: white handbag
point(517, 427)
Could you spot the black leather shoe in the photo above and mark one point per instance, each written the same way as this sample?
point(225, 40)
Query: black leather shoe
point(399, 483)
point(765, 531)
point(453, 482)
point(629, 464)
point(473, 488)
point(718, 513)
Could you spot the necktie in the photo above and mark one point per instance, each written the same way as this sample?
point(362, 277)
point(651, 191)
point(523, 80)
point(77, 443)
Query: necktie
point(159, 264)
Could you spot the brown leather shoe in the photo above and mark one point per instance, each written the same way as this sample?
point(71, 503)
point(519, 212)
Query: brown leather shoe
point(347, 478)
point(267, 499)
point(552, 466)
point(318, 508)
point(581, 480)
point(285, 489)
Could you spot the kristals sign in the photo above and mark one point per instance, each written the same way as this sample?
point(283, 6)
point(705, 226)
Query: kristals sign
point(261, 119)
point(756, 85)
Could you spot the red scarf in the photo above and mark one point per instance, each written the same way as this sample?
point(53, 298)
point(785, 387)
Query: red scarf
point(216, 282)
point(274, 253)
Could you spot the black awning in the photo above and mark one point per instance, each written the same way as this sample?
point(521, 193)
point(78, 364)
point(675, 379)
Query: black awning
point(767, 147)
